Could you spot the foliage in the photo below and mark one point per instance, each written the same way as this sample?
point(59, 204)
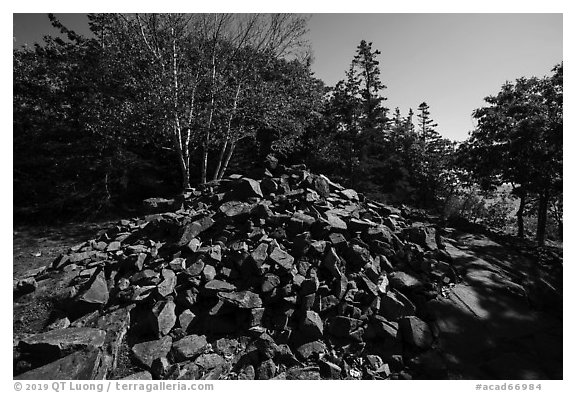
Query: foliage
point(518, 140)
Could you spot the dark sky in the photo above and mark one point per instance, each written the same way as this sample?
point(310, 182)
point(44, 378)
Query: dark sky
point(451, 61)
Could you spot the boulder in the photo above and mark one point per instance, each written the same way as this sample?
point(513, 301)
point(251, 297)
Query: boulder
point(282, 259)
point(84, 365)
point(416, 332)
point(56, 343)
point(189, 347)
point(163, 317)
point(146, 352)
point(241, 299)
point(96, 292)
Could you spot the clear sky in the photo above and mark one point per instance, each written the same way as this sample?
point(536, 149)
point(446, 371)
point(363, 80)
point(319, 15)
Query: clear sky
point(451, 61)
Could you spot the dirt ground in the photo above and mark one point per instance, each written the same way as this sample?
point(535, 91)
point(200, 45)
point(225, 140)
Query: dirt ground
point(37, 246)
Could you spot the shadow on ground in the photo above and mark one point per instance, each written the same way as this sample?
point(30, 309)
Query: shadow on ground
point(488, 327)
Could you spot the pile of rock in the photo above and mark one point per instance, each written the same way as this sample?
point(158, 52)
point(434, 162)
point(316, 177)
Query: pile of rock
point(290, 276)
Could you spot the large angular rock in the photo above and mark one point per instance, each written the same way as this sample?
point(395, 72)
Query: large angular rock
point(208, 361)
point(56, 343)
point(96, 292)
point(116, 325)
point(235, 209)
point(423, 236)
point(193, 229)
point(358, 256)
point(416, 332)
point(189, 347)
point(163, 317)
point(84, 364)
point(312, 326)
point(166, 287)
point(333, 262)
point(270, 282)
point(282, 259)
point(335, 223)
point(341, 326)
point(260, 254)
point(161, 205)
point(139, 376)
point(146, 352)
point(394, 306)
point(185, 319)
point(350, 194)
point(311, 349)
point(303, 373)
point(404, 281)
point(215, 286)
point(241, 299)
point(249, 188)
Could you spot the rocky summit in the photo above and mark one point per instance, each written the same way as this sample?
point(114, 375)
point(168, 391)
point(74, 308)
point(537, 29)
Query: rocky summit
point(285, 275)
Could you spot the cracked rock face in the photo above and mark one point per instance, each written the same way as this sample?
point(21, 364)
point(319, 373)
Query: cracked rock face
point(288, 276)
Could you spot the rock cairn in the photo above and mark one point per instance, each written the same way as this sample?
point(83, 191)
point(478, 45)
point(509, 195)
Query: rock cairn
point(281, 275)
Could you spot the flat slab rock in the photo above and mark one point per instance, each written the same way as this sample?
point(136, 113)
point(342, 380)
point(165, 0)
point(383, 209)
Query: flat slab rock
point(61, 340)
point(83, 364)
